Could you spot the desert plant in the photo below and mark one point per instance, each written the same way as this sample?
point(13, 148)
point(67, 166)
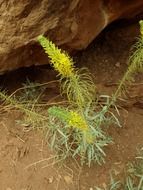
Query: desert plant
point(76, 131)
point(73, 135)
point(132, 185)
point(113, 185)
point(134, 180)
point(31, 115)
point(135, 65)
point(77, 84)
point(30, 91)
point(133, 177)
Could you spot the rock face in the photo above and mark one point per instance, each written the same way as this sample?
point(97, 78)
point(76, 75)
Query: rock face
point(71, 23)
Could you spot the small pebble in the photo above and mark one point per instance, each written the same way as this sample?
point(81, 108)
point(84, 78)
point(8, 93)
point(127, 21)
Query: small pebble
point(118, 64)
point(51, 179)
point(68, 179)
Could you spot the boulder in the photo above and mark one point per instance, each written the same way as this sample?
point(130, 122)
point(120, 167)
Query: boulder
point(72, 24)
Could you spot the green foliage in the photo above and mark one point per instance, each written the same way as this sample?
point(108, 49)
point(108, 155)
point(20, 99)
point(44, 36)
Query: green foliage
point(76, 131)
point(134, 180)
point(79, 88)
point(30, 92)
point(31, 116)
point(134, 177)
point(135, 65)
point(113, 185)
point(77, 84)
point(73, 135)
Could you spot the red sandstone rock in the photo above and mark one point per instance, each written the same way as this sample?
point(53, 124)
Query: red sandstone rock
point(72, 23)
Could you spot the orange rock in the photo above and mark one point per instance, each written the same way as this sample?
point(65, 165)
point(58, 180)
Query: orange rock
point(72, 24)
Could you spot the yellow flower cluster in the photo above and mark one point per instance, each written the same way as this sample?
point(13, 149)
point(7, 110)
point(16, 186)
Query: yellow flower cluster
point(77, 121)
point(59, 60)
point(63, 64)
point(141, 27)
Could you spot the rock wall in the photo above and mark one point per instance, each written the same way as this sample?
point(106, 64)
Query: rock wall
point(70, 23)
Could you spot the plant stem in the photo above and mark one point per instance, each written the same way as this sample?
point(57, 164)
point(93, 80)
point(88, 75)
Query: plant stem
point(21, 107)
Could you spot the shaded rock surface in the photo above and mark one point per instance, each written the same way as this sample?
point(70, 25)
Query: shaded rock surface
point(72, 24)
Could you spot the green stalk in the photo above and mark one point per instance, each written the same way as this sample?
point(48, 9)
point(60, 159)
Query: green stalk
point(20, 107)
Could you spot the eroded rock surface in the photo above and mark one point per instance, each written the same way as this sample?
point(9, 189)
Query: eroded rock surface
point(72, 23)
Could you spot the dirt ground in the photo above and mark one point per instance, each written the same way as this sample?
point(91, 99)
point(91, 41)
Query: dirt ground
point(26, 161)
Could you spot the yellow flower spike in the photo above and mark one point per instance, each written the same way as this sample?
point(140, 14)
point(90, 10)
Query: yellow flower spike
point(77, 121)
point(141, 27)
point(59, 60)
